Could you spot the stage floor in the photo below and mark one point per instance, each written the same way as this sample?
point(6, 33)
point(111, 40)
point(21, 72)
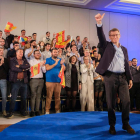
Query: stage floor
point(70, 126)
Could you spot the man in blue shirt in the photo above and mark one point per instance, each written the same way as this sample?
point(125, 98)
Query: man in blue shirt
point(117, 76)
point(53, 67)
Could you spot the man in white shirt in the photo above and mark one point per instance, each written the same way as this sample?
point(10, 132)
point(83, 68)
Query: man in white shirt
point(75, 52)
point(34, 36)
point(47, 38)
point(87, 54)
point(36, 82)
point(29, 53)
point(78, 43)
point(46, 53)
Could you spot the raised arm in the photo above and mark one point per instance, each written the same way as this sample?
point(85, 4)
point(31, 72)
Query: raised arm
point(100, 32)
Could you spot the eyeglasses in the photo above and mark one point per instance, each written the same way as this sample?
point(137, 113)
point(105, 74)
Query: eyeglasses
point(16, 45)
point(115, 35)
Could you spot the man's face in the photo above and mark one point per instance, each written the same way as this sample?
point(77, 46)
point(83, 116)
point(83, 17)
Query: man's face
point(33, 43)
point(134, 62)
point(23, 33)
point(86, 60)
point(86, 53)
point(16, 46)
point(16, 39)
point(34, 36)
point(1, 52)
point(68, 37)
point(48, 47)
point(48, 34)
point(19, 53)
point(114, 37)
point(7, 33)
point(0, 34)
point(74, 49)
point(2, 42)
point(29, 39)
point(95, 54)
point(54, 53)
point(130, 63)
point(86, 39)
point(78, 38)
point(37, 55)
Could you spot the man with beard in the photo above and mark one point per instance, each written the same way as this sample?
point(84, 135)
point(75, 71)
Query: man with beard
point(47, 38)
point(29, 53)
point(53, 67)
point(78, 43)
point(135, 91)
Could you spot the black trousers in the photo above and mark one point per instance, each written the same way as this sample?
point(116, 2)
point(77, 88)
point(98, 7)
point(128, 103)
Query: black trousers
point(135, 94)
point(117, 83)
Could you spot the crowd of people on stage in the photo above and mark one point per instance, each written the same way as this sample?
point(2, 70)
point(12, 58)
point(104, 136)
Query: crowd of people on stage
point(78, 58)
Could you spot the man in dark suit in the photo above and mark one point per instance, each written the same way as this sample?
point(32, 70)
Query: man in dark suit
point(117, 76)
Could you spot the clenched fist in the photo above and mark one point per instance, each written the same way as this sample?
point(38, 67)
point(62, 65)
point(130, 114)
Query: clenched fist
point(99, 18)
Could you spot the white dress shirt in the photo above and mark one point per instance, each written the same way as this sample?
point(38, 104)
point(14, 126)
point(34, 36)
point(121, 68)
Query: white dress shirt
point(32, 55)
point(42, 68)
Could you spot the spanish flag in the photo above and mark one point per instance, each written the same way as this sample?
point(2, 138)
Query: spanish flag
point(9, 27)
point(60, 38)
point(63, 44)
point(62, 76)
point(35, 70)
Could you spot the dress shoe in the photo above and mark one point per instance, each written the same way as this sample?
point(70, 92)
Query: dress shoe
point(37, 113)
point(128, 128)
point(24, 114)
point(32, 114)
point(10, 115)
point(112, 130)
point(100, 108)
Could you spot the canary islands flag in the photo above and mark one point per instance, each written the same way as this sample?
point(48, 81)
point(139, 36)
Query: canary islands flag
point(23, 39)
point(62, 76)
point(35, 70)
point(9, 27)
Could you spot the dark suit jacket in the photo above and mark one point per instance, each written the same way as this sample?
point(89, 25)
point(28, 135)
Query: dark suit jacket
point(108, 55)
point(14, 70)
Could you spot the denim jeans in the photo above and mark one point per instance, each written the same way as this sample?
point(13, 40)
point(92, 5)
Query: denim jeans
point(3, 88)
point(17, 87)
